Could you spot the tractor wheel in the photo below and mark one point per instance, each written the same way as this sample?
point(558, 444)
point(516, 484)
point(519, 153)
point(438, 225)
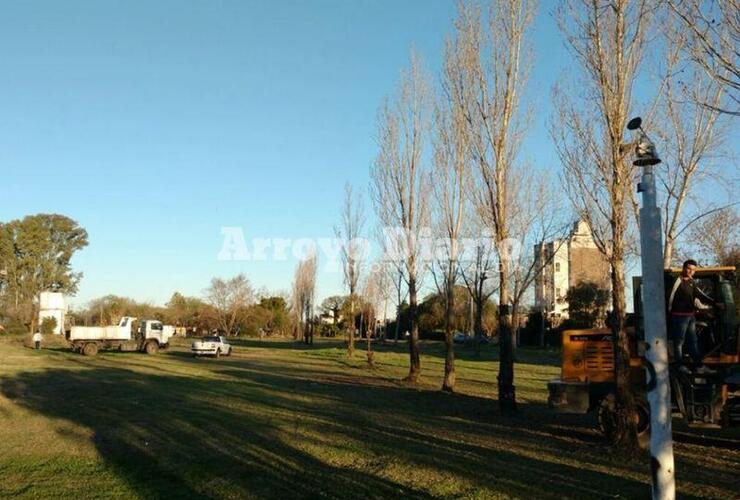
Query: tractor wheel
point(609, 420)
point(90, 349)
point(152, 348)
point(642, 417)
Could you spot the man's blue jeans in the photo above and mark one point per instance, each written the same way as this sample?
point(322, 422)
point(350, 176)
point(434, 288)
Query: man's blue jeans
point(683, 330)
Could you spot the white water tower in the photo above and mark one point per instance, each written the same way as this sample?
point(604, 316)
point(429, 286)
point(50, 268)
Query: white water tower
point(53, 304)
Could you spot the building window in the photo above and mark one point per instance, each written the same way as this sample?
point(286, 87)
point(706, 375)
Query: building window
point(557, 267)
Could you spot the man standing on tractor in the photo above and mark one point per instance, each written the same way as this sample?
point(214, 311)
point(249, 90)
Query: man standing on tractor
point(683, 304)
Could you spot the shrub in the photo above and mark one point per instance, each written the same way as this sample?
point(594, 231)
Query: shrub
point(48, 325)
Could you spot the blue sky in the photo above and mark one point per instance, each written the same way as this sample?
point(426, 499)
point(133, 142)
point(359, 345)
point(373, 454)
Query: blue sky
point(154, 124)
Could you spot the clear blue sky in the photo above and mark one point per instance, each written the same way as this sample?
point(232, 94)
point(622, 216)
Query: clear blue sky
point(154, 124)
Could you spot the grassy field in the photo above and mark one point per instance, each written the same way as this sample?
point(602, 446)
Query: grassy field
point(281, 420)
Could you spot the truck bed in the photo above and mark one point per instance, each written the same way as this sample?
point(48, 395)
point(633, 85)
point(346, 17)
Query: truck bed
point(99, 333)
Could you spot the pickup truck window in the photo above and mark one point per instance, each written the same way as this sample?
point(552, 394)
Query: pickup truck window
point(212, 339)
point(156, 326)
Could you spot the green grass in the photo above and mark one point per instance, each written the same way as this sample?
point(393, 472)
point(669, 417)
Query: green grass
point(282, 420)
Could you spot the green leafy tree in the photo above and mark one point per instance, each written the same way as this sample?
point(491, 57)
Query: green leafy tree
point(35, 256)
point(432, 311)
point(587, 304)
point(48, 325)
point(280, 314)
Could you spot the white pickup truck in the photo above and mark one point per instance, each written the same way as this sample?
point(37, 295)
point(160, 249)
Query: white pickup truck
point(151, 336)
point(211, 346)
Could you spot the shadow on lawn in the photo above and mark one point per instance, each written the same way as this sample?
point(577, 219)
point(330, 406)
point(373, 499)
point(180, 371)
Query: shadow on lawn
point(431, 348)
point(254, 432)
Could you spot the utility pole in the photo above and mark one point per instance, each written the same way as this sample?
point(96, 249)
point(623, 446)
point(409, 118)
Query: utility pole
point(653, 300)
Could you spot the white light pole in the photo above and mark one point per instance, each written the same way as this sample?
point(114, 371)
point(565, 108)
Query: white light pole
point(653, 302)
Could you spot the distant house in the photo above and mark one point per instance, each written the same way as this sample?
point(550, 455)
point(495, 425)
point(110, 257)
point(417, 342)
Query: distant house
point(567, 262)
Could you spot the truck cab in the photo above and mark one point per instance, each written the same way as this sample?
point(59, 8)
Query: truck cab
point(154, 329)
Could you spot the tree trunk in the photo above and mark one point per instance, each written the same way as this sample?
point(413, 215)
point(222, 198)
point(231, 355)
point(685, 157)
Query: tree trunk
point(351, 332)
point(478, 322)
point(414, 361)
point(627, 432)
point(449, 379)
point(506, 390)
point(370, 354)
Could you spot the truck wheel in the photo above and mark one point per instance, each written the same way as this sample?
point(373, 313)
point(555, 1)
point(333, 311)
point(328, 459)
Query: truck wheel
point(218, 353)
point(90, 349)
point(152, 348)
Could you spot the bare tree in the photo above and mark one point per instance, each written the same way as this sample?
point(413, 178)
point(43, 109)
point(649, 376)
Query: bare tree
point(478, 272)
point(400, 194)
point(449, 178)
point(333, 304)
point(304, 291)
point(709, 34)
point(382, 275)
point(396, 276)
point(353, 221)
point(374, 298)
point(691, 133)
point(229, 298)
point(491, 66)
point(607, 39)
point(535, 217)
point(717, 235)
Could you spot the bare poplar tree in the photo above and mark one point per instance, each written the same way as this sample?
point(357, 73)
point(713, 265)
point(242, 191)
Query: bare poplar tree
point(691, 134)
point(304, 292)
point(449, 178)
point(353, 222)
point(382, 275)
point(400, 194)
point(607, 39)
point(492, 64)
point(709, 35)
point(396, 275)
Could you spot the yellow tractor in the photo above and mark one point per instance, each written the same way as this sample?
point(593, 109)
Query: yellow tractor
point(587, 381)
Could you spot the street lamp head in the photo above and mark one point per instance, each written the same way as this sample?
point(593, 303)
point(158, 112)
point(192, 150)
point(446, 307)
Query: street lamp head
point(644, 147)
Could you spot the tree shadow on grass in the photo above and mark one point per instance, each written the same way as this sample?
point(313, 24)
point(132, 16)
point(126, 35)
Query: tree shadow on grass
point(264, 429)
point(173, 437)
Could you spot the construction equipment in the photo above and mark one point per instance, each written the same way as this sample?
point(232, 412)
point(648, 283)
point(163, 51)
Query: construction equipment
point(705, 398)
